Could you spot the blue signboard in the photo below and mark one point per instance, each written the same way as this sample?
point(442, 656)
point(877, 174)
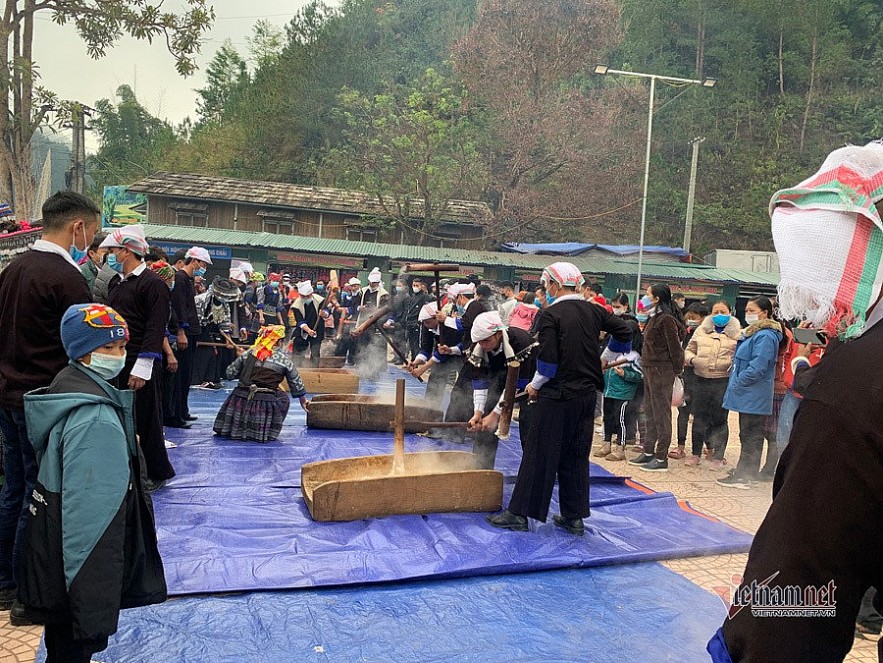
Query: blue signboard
point(215, 252)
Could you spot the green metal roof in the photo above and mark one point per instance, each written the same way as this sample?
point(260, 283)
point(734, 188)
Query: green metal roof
point(405, 252)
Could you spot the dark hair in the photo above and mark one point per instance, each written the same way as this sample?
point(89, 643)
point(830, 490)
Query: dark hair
point(678, 295)
point(96, 242)
point(179, 256)
point(724, 302)
point(663, 293)
point(764, 304)
point(67, 206)
point(484, 290)
point(699, 309)
point(594, 287)
point(154, 253)
point(540, 288)
point(507, 284)
point(622, 299)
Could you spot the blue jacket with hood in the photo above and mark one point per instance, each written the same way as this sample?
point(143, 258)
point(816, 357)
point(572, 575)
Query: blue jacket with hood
point(753, 375)
point(90, 542)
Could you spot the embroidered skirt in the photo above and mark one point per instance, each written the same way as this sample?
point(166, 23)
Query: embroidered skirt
point(259, 419)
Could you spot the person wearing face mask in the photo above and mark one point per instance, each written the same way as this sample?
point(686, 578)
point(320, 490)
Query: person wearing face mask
point(662, 361)
point(370, 347)
point(183, 303)
point(568, 375)
point(635, 417)
point(308, 317)
point(90, 541)
point(709, 354)
point(95, 260)
point(507, 291)
point(418, 299)
point(680, 300)
point(751, 388)
point(270, 301)
point(395, 323)
point(36, 289)
point(170, 386)
point(694, 316)
point(142, 298)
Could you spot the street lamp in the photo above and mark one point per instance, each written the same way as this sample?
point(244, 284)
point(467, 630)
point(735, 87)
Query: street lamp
point(603, 70)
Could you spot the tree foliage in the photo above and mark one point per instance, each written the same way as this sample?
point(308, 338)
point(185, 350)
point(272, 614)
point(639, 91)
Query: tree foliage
point(556, 151)
point(25, 105)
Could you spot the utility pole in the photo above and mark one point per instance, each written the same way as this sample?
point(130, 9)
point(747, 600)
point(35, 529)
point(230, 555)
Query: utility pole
point(76, 178)
point(691, 196)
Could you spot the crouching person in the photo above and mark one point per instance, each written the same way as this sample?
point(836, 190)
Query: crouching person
point(90, 542)
point(257, 407)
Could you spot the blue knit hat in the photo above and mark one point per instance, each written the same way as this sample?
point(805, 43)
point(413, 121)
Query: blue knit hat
point(86, 327)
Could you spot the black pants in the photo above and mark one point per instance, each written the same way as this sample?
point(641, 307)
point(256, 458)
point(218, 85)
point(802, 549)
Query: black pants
point(709, 416)
point(631, 414)
point(170, 387)
point(62, 648)
point(414, 340)
point(439, 376)
point(185, 374)
point(751, 437)
point(614, 419)
point(824, 526)
point(149, 423)
point(658, 383)
point(314, 345)
point(558, 443)
point(687, 409)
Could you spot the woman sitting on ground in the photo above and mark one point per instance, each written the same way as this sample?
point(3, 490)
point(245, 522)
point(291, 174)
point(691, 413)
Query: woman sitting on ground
point(257, 407)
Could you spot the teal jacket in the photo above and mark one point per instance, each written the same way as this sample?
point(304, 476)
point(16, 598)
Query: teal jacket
point(622, 388)
point(90, 542)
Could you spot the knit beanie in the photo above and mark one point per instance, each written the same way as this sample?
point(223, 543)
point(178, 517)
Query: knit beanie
point(86, 327)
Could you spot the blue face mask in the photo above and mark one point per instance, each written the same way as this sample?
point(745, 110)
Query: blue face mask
point(114, 264)
point(550, 300)
point(274, 285)
point(537, 303)
point(76, 253)
point(461, 309)
point(320, 287)
point(642, 317)
point(199, 272)
point(721, 320)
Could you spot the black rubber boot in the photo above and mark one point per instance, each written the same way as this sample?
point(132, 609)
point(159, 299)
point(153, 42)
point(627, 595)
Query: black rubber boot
point(510, 521)
point(575, 526)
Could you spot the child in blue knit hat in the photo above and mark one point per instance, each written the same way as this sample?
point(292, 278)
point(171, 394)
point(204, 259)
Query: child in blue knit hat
point(90, 541)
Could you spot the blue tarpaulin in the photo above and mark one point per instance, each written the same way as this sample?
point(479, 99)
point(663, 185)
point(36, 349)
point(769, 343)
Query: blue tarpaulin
point(563, 249)
point(234, 520)
point(640, 612)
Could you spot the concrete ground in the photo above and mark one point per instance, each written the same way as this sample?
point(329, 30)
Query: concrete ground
point(743, 509)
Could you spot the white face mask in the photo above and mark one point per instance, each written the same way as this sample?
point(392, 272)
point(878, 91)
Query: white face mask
point(416, 290)
point(751, 318)
point(374, 287)
point(107, 366)
point(618, 311)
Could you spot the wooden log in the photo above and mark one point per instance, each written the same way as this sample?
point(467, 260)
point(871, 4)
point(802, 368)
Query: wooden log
point(357, 412)
point(398, 449)
point(432, 267)
point(365, 487)
point(364, 326)
point(511, 387)
point(329, 381)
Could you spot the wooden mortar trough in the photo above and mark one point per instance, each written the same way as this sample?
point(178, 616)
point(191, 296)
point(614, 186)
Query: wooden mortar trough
point(415, 483)
point(361, 412)
point(329, 380)
point(331, 362)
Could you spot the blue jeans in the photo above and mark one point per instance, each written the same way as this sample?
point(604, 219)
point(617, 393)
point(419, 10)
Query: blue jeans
point(20, 467)
point(786, 419)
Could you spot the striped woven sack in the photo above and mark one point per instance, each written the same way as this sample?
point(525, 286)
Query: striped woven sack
point(829, 237)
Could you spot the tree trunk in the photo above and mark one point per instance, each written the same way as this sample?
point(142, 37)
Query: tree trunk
point(809, 93)
point(781, 60)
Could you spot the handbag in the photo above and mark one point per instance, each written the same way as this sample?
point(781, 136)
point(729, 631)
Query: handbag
point(677, 392)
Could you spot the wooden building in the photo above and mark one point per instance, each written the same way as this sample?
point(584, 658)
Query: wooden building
point(201, 201)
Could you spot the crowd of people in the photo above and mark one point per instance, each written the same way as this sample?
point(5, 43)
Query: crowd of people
point(103, 337)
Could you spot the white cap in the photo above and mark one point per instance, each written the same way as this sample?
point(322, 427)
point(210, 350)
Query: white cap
point(198, 253)
point(305, 288)
point(128, 237)
point(427, 311)
point(486, 325)
point(246, 267)
point(457, 289)
point(374, 276)
point(237, 274)
point(354, 281)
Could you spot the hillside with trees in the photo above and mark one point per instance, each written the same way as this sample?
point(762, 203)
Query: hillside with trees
point(495, 100)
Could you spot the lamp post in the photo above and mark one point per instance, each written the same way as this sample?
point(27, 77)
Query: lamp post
point(691, 195)
point(603, 70)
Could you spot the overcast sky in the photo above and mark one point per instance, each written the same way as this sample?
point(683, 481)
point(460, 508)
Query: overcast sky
point(68, 70)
